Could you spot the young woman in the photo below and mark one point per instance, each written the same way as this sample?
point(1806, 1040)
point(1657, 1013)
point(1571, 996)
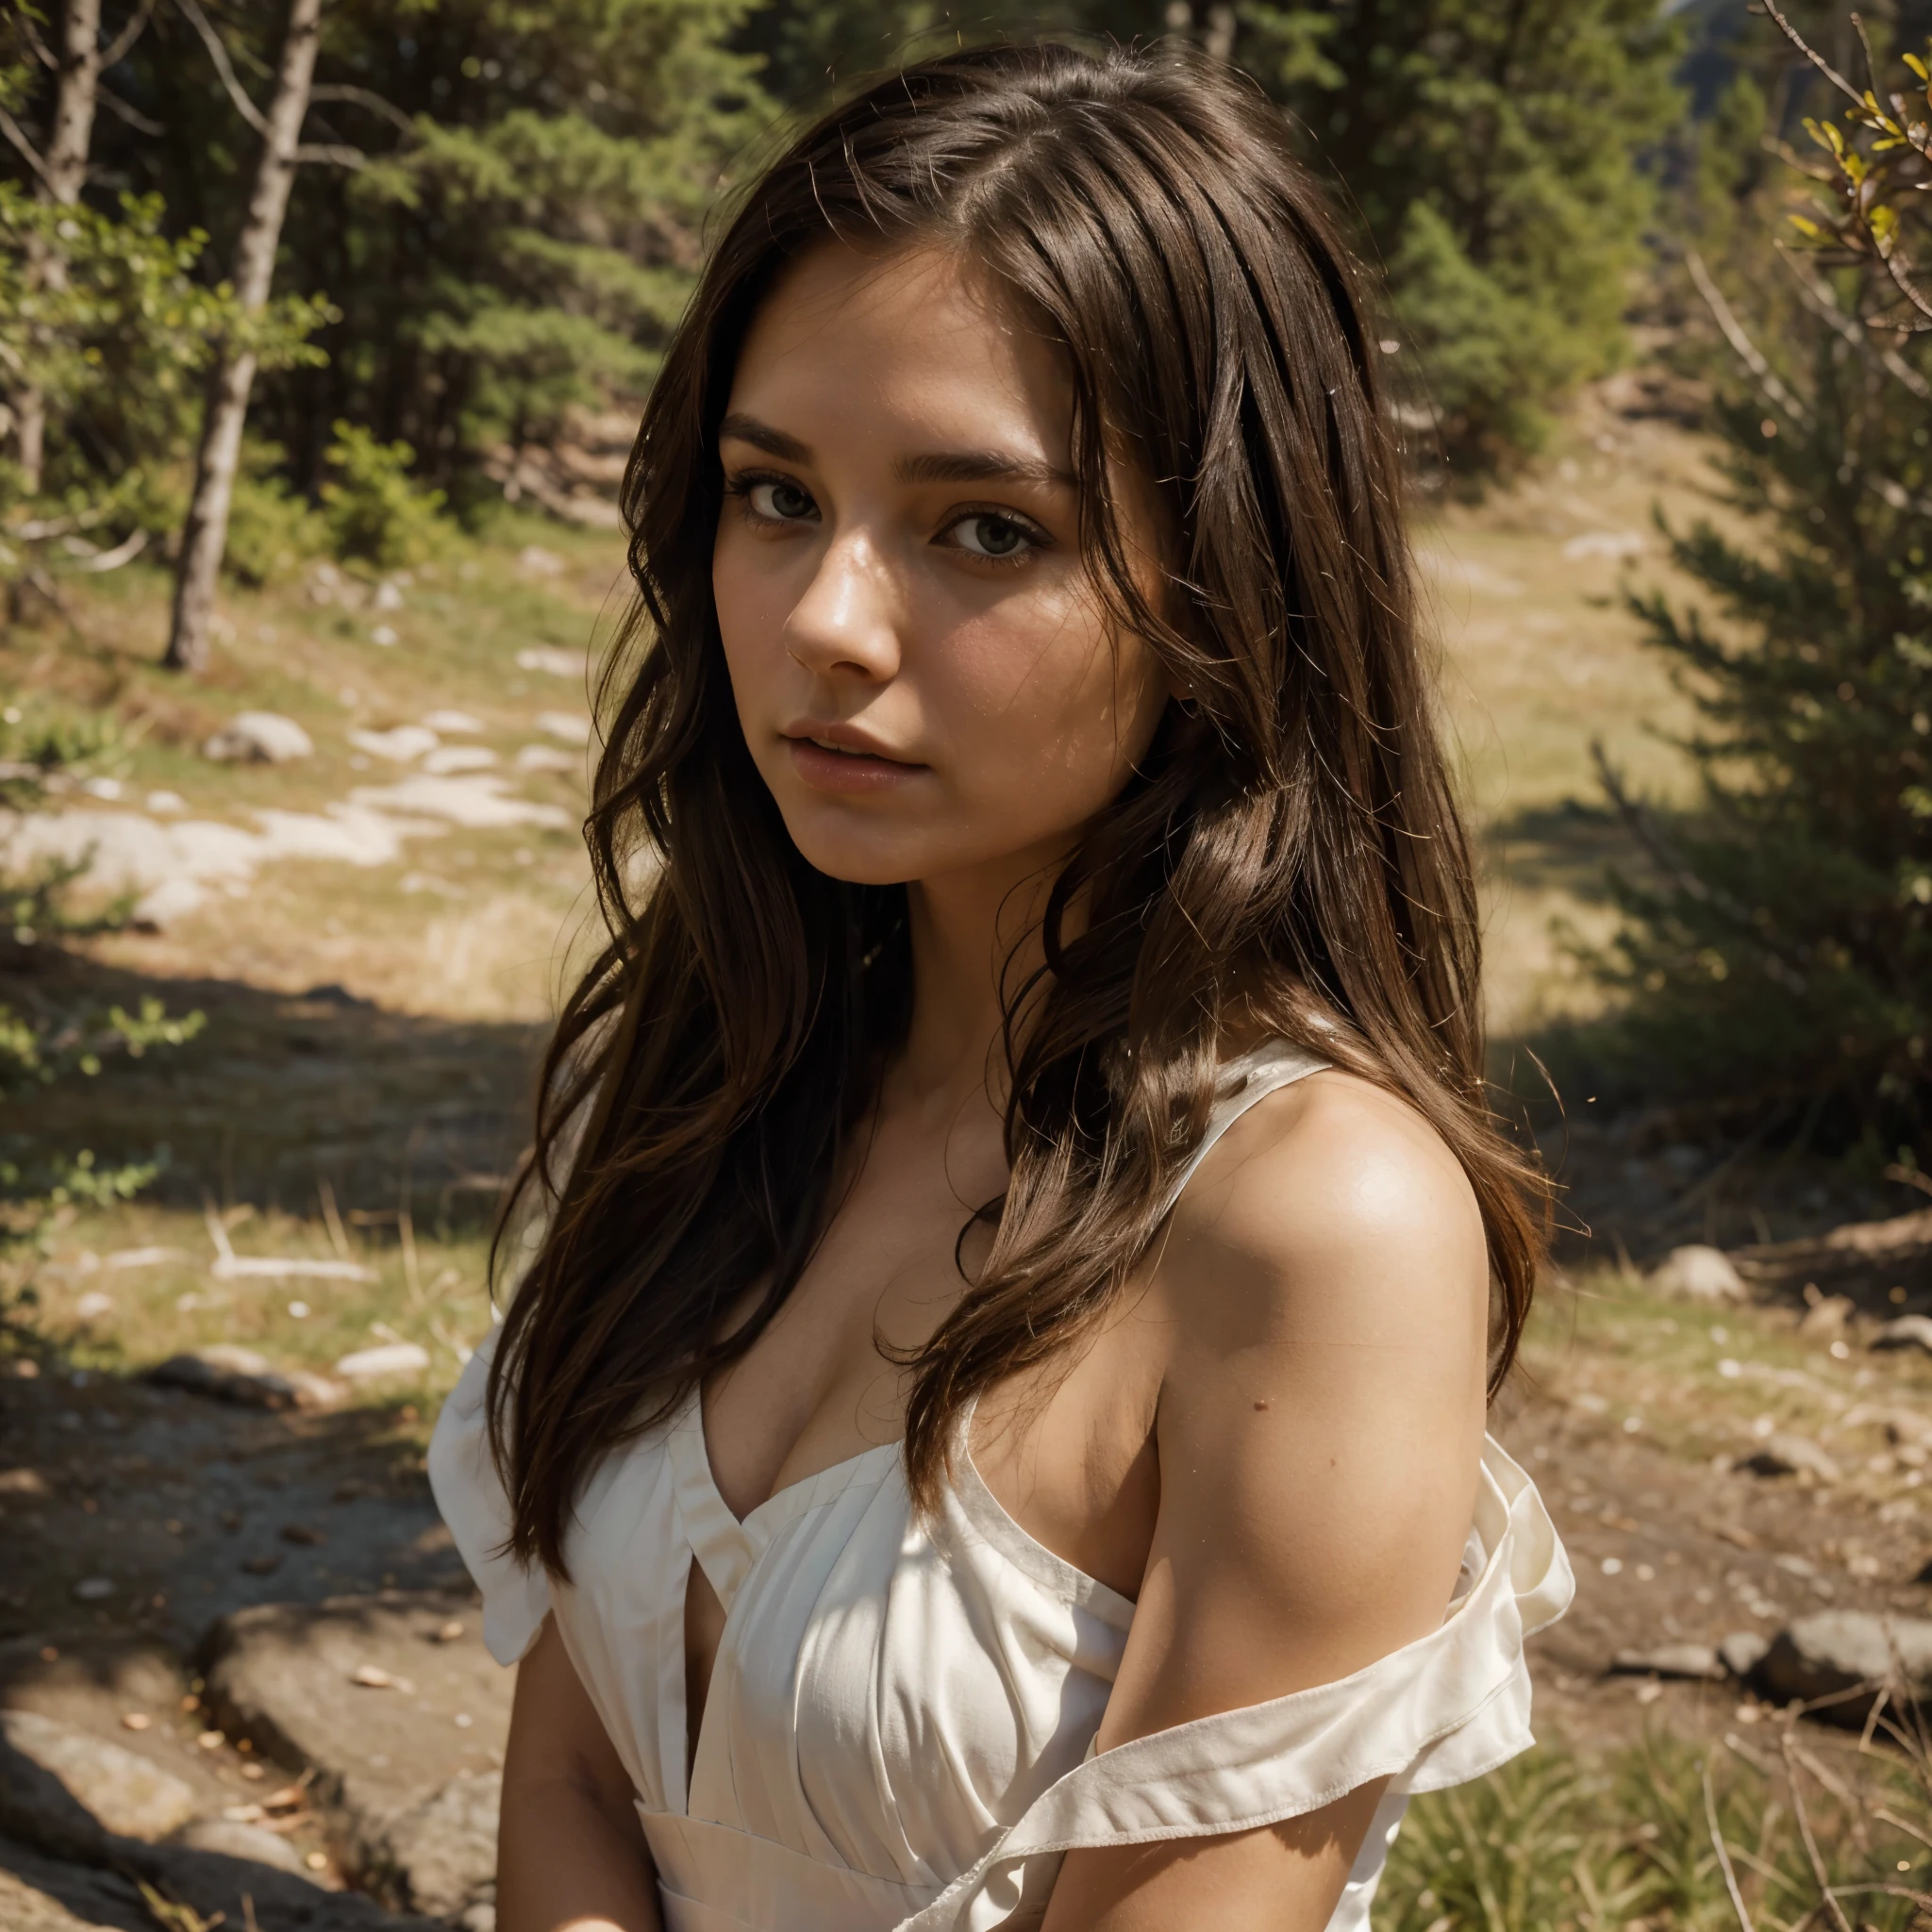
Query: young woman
point(990, 1431)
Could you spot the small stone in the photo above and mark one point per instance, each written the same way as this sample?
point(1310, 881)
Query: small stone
point(450, 1631)
point(93, 1590)
point(1742, 1651)
point(1786, 1454)
point(1907, 1331)
point(235, 1838)
point(260, 738)
point(1824, 1321)
point(23, 1482)
point(92, 1306)
point(135, 1721)
point(263, 1564)
point(1695, 1661)
point(394, 1358)
point(400, 746)
point(124, 1793)
point(317, 1861)
point(301, 1533)
point(1699, 1273)
point(210, 1740)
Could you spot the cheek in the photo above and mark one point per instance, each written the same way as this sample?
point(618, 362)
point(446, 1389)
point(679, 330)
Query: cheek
point(1049, 714)
point(751, 607)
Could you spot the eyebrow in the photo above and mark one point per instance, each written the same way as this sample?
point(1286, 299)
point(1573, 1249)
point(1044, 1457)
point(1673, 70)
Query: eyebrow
point(935, 466)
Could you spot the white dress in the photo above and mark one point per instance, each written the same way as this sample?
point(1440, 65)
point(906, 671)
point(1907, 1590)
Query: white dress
point(898, 1733)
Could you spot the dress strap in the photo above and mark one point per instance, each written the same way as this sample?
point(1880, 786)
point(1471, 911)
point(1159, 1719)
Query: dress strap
point(1246, 1081)
point(722, 1544)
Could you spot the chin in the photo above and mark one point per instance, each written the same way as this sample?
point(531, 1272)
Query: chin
point(856, 861)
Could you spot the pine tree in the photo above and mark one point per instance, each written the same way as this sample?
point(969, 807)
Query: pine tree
point(1493, 149)
point(1776, 959)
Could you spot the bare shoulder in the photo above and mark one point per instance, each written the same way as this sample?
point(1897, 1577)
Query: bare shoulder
point(1334, 1206)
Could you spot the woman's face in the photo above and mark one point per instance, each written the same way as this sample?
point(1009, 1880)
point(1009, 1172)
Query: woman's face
point(922, 669)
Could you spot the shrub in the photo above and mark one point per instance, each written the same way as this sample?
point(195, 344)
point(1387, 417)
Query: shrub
point(374, 511)
point(272, 530)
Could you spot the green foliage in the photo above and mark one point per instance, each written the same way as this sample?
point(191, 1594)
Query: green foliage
point(271, 529)
point(1558, 1843)
point(1493, 151)
point(117, 341)
point(375, 514)
point(1775, 955)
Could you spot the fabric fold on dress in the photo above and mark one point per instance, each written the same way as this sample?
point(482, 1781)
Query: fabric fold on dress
point(1450, 1706)
point(468, 1491)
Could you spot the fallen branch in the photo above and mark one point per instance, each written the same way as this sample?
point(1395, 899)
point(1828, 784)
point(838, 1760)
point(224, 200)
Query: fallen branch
point(1723, 1855)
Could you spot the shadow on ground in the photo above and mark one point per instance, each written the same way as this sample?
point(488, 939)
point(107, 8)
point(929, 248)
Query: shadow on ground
point(277, 1089)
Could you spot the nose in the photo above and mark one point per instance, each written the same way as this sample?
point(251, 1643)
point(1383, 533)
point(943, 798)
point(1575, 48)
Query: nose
point(845, 622)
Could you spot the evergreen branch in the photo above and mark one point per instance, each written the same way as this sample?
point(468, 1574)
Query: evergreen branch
point(1811, 54)
point(133, 116)
point(217, 53)
point(11, 129)
point(1745, 349)
point(1644, 829)
point(1819, 298)
point(121, 45)
point(363, 97)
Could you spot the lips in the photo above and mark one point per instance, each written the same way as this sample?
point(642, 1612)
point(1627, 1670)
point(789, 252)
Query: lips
point(836, 758)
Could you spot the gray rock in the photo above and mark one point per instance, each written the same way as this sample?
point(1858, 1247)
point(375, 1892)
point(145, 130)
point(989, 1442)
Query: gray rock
point(1907, 1331)
point(260, 738)
point(1742, 1651)
point(1838, 1659)
point(1698, 1274)
point(1785, 1454)
point(442, 1856)
point(1688, 1660)
point(234, 1839)
point(120, 1793)
point(365, 1692)
point(239, 1375)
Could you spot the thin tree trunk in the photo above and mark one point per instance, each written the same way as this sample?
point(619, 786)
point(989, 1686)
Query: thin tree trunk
point(205, 535)
point(63, 172)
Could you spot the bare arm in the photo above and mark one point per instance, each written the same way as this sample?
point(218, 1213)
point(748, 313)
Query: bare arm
point(1320, 1431)
point(571, 1856)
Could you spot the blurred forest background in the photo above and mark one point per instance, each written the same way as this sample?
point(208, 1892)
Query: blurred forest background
point(324, 329)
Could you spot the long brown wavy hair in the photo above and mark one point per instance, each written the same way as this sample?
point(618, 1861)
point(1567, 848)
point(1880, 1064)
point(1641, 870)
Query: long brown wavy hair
point(1288, 858)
